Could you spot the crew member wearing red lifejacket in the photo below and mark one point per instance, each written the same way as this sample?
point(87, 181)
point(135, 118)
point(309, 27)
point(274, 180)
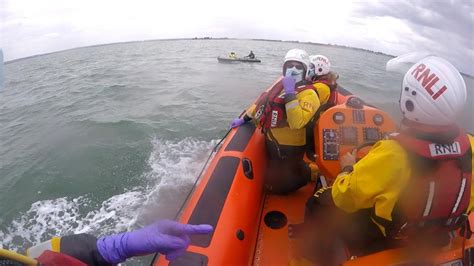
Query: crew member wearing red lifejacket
point(323, 79)
point(283, 112)
point(167, 237)
point(324, 82)
point(416, 185)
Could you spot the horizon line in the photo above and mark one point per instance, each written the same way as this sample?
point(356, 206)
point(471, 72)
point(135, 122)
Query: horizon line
point(196, 39)
point(210, 38)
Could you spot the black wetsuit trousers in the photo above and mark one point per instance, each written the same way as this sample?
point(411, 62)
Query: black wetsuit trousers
point(286, 169)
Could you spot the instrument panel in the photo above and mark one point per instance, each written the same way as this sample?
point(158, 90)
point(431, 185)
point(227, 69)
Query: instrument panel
point(343, 127)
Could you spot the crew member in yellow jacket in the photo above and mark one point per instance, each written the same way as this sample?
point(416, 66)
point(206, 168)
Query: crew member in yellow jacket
point(324, 82)
point(416, 185)
point(283, 112)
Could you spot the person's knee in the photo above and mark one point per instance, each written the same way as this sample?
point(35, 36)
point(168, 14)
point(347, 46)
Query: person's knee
point(323, 197)
point(284, 177)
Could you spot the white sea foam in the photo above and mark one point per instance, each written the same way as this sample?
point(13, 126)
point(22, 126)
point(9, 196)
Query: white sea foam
point(174, 167)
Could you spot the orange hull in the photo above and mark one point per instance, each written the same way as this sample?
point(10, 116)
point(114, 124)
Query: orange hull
point(251, 226)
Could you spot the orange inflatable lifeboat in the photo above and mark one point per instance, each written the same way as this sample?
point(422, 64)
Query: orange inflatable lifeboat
point(251, 226)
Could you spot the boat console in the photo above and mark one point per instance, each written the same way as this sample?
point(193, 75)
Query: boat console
point(345, 127)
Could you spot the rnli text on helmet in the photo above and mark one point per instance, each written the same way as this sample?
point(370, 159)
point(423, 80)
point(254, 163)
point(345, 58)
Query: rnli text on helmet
point(324, 60)
point(428, 80)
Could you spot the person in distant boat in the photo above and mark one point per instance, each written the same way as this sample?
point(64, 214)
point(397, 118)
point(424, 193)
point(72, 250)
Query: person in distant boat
point(251, 55)
point(232, 55)
point(416, 187)
point(283, 112)
point(166, 237)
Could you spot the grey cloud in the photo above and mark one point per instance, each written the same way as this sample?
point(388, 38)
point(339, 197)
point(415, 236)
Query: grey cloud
point(445, 27)
point(456, 15)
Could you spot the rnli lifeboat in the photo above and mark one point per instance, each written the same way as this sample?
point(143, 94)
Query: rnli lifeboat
point(251, 225)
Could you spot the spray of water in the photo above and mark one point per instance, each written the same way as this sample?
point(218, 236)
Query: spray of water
point(174, 167)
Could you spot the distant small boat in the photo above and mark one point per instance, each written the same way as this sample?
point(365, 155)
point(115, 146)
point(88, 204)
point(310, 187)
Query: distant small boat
point(238, 59)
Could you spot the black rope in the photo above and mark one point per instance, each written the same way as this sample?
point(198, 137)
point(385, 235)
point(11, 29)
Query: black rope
point(195, 183)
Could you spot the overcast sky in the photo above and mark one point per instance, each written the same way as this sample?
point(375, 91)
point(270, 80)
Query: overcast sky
point(29, 27)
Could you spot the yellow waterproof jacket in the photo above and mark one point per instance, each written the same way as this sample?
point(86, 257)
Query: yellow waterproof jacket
point(299, 111)
point(324, 92)
point(378, 179)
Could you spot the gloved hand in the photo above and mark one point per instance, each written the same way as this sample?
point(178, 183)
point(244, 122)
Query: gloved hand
point(166, 237)
point(237, 122)
point(289, 85)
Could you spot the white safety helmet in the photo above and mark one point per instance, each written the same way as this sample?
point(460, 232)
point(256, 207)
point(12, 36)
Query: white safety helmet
point(433, 92)
point(321, 64)
point(297, 55)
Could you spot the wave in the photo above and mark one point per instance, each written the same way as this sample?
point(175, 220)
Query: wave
point(174, 166)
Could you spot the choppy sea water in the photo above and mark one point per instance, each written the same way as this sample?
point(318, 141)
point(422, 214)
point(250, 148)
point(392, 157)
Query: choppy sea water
point(109, 138)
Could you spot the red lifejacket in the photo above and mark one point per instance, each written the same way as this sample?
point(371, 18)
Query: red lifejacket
point(51, 258)
point(270, 106)
point(333, 90)
point(440, 186)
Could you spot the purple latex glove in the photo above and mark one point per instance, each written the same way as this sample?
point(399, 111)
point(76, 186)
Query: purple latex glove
point(237, 122)
point(166, 237)
point(289, 85)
